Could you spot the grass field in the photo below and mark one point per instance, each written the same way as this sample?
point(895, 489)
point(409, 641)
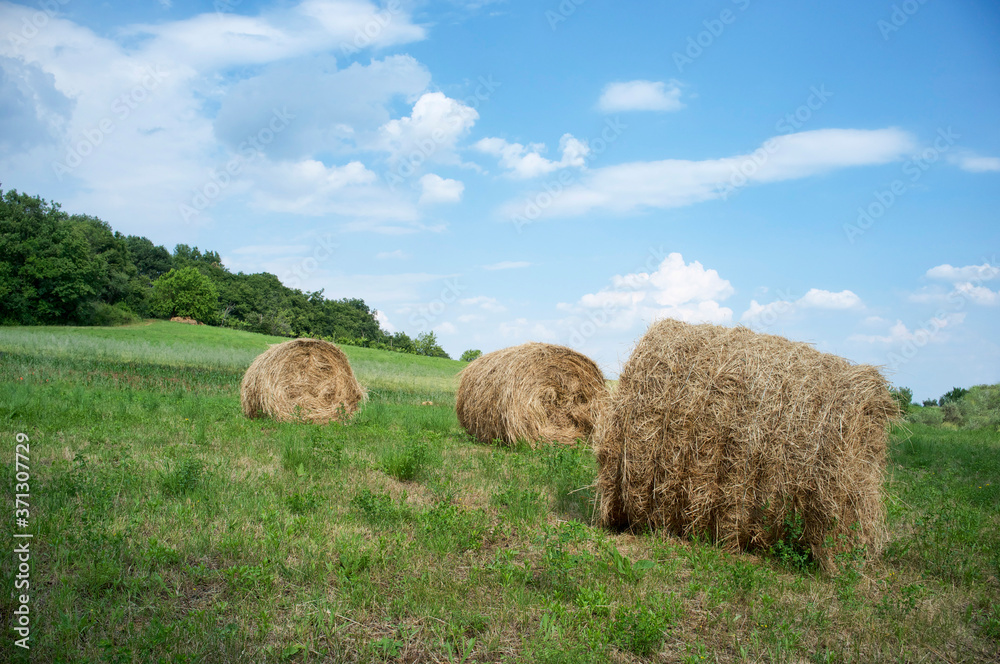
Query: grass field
point(168, 528)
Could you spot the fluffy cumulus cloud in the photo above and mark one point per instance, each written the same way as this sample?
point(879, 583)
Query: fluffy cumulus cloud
point(815, 298)
point(330, 109)
point(193, 92)
point(520, 161)
point(641, 96)
point(823, 299)
point(671, 183)
point(384, 323)
point(946, 272)
point(436, 189)
point(676, 289)
point(966, 285)
point(429, 133)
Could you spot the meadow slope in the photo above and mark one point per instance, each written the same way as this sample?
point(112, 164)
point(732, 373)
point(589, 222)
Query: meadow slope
point(167, 527)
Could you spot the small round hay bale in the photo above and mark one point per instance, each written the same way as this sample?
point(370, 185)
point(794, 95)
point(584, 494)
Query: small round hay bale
point(302, 379)
point(532, 392)
point(730, 434)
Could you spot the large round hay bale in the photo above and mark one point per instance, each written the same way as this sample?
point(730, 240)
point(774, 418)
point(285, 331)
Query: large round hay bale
point(302, 379)
point(532, 392)
point(733, 435)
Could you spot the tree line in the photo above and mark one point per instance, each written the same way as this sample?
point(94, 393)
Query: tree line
point(62, 269)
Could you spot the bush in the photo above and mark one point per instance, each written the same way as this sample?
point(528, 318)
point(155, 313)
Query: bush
point(111, 315)
point(185, 292)
point(470, 355)
point(929, 415)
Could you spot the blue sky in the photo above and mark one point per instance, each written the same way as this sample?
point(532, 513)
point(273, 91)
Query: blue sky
point(500, 172)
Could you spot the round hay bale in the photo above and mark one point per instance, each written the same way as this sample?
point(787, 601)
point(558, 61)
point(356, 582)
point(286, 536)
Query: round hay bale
point(532, 392)
point(302, 379)
point(733, 435)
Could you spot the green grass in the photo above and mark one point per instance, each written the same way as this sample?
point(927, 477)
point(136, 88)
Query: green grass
point(170, 528)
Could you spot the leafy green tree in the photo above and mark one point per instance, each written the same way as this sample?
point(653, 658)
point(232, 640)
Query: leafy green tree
point(955, 394)
point(930, 402)
point(470, 355)
point(427, 344)
point(903, 397)
point(150, 260)
point(185, 292)
point(48, 272)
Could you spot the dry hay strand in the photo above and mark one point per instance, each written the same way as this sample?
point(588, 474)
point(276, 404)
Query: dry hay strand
point(302, 379)
point(532, 392)
point(732, 435)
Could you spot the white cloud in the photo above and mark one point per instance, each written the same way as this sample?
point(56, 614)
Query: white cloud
point(384, 323)
point(823, 299)
point(437, 189)
point(311, 188)
point(429, 133)
point(899, 333)
point(471, 318)
point(483, 302)
point(398, 253)
point(670, 183)
point(973, 163)
point(527, 161)
point(332, 109)
point(640, 96)
point(154, 90)
point(676, 289)
point(978, 294)
point(946, 272)
point(445, 328)
point(507, 265)
point(815, 298)
point(765, 314)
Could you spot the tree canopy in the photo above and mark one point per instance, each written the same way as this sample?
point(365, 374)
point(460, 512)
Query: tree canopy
point(57, 268)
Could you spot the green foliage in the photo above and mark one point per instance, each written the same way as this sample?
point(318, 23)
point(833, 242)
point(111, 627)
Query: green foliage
point(470, 355)
point(406, 461)
point(954, 394)
point(789, 549)
point(427, 344)
point(638, 629)
point(182, 477)
point(61, 269)
point(929, 415)
point(975, 408)
point(903, 397)
point(185, 292)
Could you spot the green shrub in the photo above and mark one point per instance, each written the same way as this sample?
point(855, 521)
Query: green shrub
point(112, 315)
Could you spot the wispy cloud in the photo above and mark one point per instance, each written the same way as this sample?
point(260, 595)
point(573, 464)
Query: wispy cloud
point(641, 96)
